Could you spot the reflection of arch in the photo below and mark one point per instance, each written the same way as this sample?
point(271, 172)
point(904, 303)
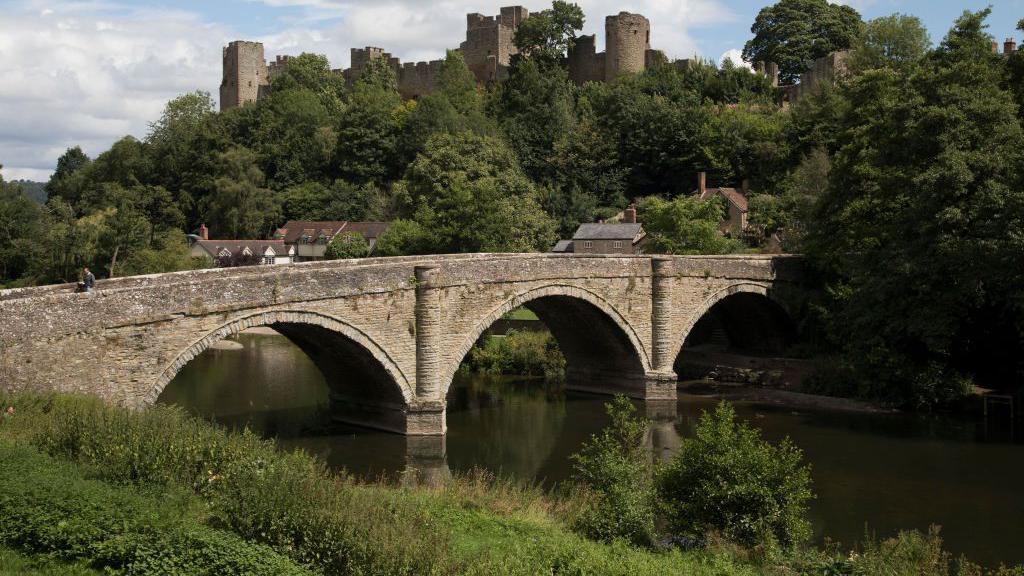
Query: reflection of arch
point(769, 305)
point(317, 334)
point(566, 296)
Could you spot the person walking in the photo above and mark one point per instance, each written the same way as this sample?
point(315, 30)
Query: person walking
point(88, 280)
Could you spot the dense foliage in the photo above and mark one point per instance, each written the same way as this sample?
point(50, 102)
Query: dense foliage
point(518, 353)
point(615, 469)
point(727, 479)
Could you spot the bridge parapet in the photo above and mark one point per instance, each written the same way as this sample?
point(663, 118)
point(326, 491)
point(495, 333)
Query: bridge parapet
point(624, 317)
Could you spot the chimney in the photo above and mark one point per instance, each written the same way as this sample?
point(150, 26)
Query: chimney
point(1009, 47)
point(995, 47)
point(629, 216)
point(702, 182)
point(204, 232)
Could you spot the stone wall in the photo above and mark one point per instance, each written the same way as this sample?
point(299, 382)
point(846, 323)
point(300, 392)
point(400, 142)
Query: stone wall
point(397, 328)
point(823, 71)
point(489, 43)
point(627, 39)
point(244, 73)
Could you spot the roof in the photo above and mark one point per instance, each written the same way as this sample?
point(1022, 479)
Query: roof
point(256, 247)
point(562, 246)
point(608, 232)
point(732, 195)
point(295, 229)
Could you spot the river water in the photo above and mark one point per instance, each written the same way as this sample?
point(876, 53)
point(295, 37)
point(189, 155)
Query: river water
point(871, 472)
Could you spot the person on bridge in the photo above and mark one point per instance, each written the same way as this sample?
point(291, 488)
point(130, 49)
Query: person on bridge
point(88, 280)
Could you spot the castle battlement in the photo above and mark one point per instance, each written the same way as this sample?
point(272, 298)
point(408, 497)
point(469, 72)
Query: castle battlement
point(487, 50)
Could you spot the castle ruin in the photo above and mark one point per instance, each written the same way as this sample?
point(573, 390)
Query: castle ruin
point(487, 50)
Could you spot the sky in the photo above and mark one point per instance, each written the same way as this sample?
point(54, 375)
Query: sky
point(89, 72)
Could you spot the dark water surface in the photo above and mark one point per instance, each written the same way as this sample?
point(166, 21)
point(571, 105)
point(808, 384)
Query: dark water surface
point(886, 472)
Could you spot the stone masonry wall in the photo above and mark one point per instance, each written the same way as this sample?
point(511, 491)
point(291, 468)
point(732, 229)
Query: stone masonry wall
point(127, 340)
point(628, 37)
point(244, 73)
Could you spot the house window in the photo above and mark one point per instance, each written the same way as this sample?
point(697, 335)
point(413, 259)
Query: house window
point(588, 244)
point(617, 244)
point(268, 260)
point(304, 239)
point(321, 239)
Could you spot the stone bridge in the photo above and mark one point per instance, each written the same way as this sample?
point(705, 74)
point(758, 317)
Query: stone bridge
point(390, 333)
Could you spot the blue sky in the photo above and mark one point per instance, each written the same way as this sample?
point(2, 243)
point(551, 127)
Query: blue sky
point(87, 72)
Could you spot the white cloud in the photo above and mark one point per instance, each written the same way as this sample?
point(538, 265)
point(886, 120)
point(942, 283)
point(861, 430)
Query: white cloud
point(736, 55)
point(89, 72)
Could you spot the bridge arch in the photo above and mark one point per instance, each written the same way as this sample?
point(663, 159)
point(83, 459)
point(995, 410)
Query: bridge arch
point(593, 336)
point(748, 313)
point(335, 346)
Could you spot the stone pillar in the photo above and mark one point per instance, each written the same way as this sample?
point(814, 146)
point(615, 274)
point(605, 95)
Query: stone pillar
point(661, 383)
point(426, 462)
point(426, 415)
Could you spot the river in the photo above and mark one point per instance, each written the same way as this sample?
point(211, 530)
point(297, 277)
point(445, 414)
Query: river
point(880, 472)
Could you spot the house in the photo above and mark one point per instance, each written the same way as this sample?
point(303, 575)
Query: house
point(624, 237)
point(240, 251)
point(736, 201)
point(309, 238)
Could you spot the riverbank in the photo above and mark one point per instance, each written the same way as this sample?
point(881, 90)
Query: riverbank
point(747, 394)
point(332, 524)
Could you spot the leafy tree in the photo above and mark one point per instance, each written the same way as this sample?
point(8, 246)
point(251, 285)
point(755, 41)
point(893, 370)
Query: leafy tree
point(403, 237)
point(727, 479)
point(546, 36)
point(685, 225)
point(615, 468)
point(67, 180)
point(296, 138)
point(347, 245)
point(168, 252)
point(535, 107)
point(368, 136)
point(312, 73)
point(19, 223)
point(240, 206)
point(793, 33)
point(920, 225)
point(470, 195)
point(894, 41)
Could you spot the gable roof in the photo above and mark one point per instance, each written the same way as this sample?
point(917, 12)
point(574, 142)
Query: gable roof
point(731, 195)
point(631, 232)
point(216, 248)
point(562, 246)
point(295, 229)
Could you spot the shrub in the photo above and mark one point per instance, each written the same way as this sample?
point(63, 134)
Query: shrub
point(288, 501)
point(347, 245)
point(520, 354)
point(50, 508)
point(727, 479)
point(615, 469)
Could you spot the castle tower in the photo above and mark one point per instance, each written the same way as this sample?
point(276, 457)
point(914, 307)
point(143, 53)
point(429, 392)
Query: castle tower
point(627, 40)
point(585, 63)
point(245, 74)
point(489, 46)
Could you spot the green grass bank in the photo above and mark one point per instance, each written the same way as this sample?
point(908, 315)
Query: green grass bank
point(95, 487)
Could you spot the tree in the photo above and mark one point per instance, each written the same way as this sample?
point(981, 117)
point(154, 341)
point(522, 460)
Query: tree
point(686, 225)
point(240, 206)
point(368, 136)
point(794, 33)
point(614, 466)
point(895, 41)
point(19, 225)
point(312, 73)
point(470, 195)
point(347, 245)
point(920, 226)
point(67, 180)
point(727, 479)
point(546, 36)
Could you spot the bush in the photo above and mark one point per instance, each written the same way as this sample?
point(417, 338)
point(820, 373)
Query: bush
point(727, 479)
point(347, 245)
point(50, 508)
point(615, 469)
point(288, 501)
point(520, 354)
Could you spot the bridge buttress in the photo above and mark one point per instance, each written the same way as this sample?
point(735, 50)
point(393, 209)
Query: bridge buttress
point(426, 415)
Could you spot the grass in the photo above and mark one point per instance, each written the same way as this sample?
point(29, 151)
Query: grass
point(115, 468)
point(13, 562)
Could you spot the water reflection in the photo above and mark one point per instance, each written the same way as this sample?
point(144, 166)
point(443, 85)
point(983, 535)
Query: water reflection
point(889, 471)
